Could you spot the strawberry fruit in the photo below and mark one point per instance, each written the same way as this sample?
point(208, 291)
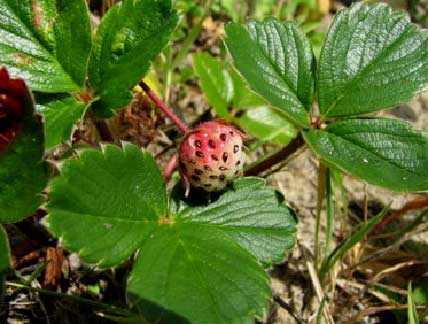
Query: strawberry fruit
point(210, 156)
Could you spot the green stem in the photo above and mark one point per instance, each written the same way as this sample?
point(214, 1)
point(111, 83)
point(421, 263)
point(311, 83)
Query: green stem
point(330, 211)
point(187, 44)
point(167, 74)
point(320, 198)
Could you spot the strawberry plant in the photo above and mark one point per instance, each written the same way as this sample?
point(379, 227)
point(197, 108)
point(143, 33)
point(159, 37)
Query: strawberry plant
point(200, 253)
point(23, 173)
point(373, 58)
point(50, 45)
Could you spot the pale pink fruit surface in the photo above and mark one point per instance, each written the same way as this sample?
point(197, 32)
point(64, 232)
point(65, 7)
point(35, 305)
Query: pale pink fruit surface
point(210, 156)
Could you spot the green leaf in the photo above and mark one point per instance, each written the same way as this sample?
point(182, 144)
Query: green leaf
point(373, 58)
point(194, 265)
point(383, 152)
point(106, 195)
point(60, 116)
point(4, 253)
point(267, 124)
point(193, 273)
point(420, 293)
point(244, 97)
point(412, 312)
point(251, 215)
point(277, 61)
point(23, 173)
point(46, 42)
point(215, 82)
point(130, 36)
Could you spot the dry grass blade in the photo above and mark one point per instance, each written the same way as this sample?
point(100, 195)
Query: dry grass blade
point(394, 246)
point(380, 275)
point(375, 310)
point(318, 289)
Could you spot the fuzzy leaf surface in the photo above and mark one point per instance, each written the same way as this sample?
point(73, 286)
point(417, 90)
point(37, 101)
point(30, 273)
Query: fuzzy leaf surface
point(277, 61)
point(46, 42)
point(384, 152)
point(373, 58)
point(216, 82)
point(130, 36)
point(60, 116)
point(197, 265)
point(104, 204)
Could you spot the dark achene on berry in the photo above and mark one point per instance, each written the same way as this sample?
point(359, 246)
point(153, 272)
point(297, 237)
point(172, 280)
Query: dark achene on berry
point(211, 156)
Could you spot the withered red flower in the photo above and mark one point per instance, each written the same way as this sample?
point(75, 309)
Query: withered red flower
point(14, 97)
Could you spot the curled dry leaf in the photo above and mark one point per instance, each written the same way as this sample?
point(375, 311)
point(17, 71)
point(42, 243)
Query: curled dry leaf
point(54, 259)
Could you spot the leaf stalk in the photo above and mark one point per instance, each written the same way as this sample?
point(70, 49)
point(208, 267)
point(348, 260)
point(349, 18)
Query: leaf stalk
point(164, 108)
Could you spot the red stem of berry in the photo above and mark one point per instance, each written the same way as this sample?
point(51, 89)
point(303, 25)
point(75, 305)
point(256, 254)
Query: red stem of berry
point(253, 170)
point(170, 167)
point(162, 106)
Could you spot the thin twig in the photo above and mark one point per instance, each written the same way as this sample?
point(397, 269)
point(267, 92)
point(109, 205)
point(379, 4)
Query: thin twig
point(318, 290)
point(258, 167)
point(374, 310)
point(69, 297)
point(162, 106)
point(289, 309)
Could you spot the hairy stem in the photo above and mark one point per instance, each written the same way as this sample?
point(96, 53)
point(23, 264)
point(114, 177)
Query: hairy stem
point(276, 157)
point(162, 106)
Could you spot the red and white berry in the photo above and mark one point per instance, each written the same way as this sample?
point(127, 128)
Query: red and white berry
point(210, 156)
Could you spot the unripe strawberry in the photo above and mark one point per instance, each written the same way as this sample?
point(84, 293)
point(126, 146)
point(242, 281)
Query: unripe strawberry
point(210, 156)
